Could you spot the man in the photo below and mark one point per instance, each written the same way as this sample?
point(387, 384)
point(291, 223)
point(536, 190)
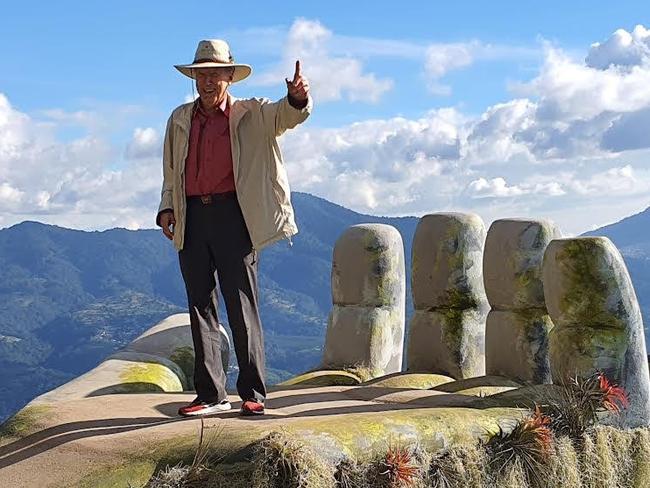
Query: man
point(225, 196)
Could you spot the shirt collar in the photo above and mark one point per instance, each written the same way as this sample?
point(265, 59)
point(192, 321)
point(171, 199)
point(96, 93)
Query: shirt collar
point(224, 106)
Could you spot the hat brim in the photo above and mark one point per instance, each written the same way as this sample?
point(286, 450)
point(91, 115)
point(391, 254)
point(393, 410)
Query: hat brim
point(241, 70)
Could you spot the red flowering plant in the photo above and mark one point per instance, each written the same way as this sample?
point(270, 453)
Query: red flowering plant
point(614, 397)
point(399, 467)
point(580, 403)
point(529, 442)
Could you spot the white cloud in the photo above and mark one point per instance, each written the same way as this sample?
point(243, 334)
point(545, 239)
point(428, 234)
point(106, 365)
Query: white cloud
point(554, 148)
point(495, 136)
point(571, 109)
point(612, 182)
point(145, 143)
point(9, 195)
point(331, 77)
point(333, 61)
point(442, 58)
point(615, 181)
point(570, 90)
point(495, 187)
point(623, 48)
point(71, 183)
point(559, 149)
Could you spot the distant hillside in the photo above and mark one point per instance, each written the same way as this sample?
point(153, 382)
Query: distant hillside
point(69, 298)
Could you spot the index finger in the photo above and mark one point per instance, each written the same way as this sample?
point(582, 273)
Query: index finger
point(297, 72)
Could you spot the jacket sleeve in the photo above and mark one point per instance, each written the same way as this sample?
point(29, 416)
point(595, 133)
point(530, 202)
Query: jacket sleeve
point(280, 116)
point(167, 192)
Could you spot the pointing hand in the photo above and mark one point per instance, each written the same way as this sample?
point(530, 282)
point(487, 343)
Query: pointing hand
point(298, 87)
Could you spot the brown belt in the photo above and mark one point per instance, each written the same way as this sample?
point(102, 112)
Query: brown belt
point(208, 199)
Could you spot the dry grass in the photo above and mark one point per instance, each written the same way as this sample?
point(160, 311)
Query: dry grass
point(527, 456)
point(459, 466)
point(200, 471)
point(281, 461)
point(403, 465)
point(350, 474)
point(607, 458)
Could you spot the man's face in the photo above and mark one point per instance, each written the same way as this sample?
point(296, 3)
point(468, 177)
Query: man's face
point(212, 84)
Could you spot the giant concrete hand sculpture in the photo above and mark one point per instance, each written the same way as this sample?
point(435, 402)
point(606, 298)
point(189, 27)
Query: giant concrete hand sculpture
point(159, 360)
point(447, 330)
point(598, 325)
point(366, 324)
point(516, 337)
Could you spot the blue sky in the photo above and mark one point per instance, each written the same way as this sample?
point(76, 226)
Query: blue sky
point(500, 108)
point(122, 51)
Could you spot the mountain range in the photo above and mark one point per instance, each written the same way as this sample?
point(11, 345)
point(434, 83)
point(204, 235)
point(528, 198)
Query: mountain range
point(69, 298)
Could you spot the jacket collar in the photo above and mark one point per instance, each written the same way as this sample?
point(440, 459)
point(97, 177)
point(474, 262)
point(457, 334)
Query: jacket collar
point(183, 115)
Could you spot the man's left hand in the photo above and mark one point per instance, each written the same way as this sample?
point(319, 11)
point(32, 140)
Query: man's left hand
point(298, 87)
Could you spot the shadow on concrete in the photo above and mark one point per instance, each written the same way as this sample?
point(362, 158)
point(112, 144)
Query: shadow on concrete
point(55, 436)
point(350, 400)
point(333, 401)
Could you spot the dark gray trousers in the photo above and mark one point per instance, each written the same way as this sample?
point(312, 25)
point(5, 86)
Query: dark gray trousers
point(216, 239)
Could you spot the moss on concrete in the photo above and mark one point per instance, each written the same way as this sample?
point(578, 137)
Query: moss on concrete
point(420, 381)
point(363, 434)
point(363, 372)
point(479, 381)
point(483, 391)
point(529, 288)
point(585, 300)
point(584, 350)
point(464, 343)
point(458, 300)
point(135, 473)
point(386, 342)
point(24, 422)
point(387, 271)
point(146, 377)
point(324, 378)
point(184, 358)
point(519, 346)
point(452, 334)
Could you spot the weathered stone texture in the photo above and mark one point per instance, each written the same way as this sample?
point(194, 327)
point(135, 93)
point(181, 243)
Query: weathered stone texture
point(512, 266)
point(516, 345)
point(161, 359)
point(446, 258)
point(448, 342)
point(598, 324)
point(366, 325)
point(518, 325)
point(447, 331)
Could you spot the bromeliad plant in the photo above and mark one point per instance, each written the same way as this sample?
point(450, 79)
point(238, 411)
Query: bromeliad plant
point(398, 468)
point(529, 443)
point(581, 402)
point(614, 398)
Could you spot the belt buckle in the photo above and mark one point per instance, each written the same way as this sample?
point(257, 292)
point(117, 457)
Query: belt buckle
point(205, 199)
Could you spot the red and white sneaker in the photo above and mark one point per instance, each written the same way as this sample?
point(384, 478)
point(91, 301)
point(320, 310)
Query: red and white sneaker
point(199, 407)
point(252, 407)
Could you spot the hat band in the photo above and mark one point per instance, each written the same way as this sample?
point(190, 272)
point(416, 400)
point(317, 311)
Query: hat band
point(210, 60)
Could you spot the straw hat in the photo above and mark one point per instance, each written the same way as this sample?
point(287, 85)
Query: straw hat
point(214, 53)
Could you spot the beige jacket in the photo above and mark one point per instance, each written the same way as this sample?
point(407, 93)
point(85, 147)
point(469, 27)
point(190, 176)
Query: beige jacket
point(260, 177)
